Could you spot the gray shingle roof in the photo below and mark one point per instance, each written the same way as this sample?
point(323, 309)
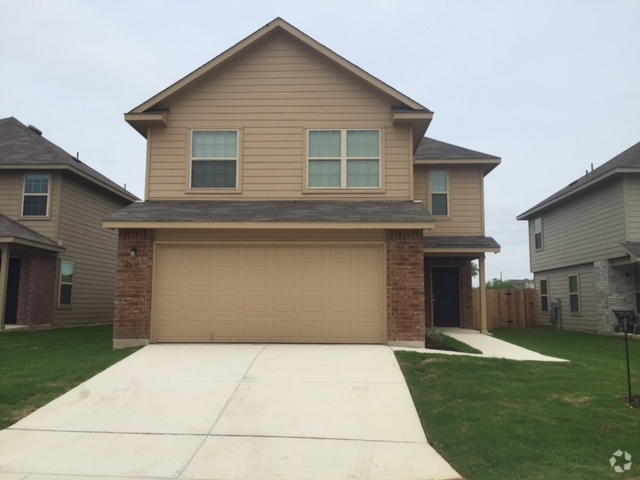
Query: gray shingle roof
point(629, 159)
point(302, 211)
point(431, 149)
point(459, 242)
point(632, 247)
point(21, 146)
point(12, 229)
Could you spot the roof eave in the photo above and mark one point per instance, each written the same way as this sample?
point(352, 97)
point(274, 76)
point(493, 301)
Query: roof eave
point(142, 121)
point(546, 204)
point(118, 224)
point(418, 119)
point(486, 164)
point(32, 243)
point(124, 194)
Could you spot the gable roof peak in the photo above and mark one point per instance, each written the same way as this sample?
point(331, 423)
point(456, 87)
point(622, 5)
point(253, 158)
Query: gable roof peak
point(155, 102)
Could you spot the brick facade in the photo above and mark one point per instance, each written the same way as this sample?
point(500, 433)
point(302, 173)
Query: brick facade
point(466, 288)
point(37, 289)
point(132, 325)
point(405, 287)
point(615, 289)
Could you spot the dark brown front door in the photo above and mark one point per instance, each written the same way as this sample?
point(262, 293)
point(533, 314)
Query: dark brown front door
point(11, 307)
point(445, 291)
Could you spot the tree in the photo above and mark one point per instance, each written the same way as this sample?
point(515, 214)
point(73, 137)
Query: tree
point(474, 269)
point(498, 284)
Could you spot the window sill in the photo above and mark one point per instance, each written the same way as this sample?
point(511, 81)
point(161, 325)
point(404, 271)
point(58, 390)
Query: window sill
point(219, 191)
point(349, 191)
point(34, 217)
point(443, 218)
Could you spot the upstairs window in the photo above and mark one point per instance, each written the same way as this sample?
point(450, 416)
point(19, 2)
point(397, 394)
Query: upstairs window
point(67, 270)
point(214, 159)
point(35, 201)
point(574, 294)
point(544, 295)
point(344, 159)
point(440, 193)
point(537, 228)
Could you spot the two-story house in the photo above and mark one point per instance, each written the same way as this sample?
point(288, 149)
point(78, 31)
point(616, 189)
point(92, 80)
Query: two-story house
point(57, 263)
point(584, 244)
point(291, 197)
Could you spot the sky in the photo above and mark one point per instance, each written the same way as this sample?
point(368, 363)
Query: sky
point(550, 86)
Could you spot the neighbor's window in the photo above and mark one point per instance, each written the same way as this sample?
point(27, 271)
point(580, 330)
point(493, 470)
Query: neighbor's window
point(66, 283)
point(214, 159)
point(344, 159)
point(544, 295)
point(574, 294)
point(35, 202)
point(439, 193)
point(537, 228)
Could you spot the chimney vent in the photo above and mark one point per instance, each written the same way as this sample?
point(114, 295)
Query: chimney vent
point(36, 130)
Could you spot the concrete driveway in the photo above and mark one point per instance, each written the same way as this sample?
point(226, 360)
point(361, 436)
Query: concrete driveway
point(230, 412)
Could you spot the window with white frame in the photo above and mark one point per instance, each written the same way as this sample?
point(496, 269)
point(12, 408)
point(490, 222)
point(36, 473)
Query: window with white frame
point(214, 159)
point(67, 271)
point(574, 294)
point(344, 159)
point(537, 229)
point(544, 295)
point(439, 193)
point(35, 202)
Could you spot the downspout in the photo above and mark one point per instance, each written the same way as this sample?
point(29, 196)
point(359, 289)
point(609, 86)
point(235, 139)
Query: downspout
point(483, 296)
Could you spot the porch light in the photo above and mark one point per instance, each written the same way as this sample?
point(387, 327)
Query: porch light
point(133, 251)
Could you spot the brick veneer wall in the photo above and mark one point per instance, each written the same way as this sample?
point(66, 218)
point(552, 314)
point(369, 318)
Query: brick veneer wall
point(37, 292)
point(466, 288)
point(132, 323)
point(405, 287)
point(615, 289)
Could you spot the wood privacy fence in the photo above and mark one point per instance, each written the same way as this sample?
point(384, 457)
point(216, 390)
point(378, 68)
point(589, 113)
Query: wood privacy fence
point(507, 308)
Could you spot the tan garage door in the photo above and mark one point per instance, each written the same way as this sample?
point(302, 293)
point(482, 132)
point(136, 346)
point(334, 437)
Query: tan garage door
point(324, 293)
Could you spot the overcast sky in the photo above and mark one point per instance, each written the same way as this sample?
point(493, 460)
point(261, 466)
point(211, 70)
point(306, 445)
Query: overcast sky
point(548, 86)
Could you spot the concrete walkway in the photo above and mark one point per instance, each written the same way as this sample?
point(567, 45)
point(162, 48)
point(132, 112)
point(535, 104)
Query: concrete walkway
point(216, 412)
point(490, 347)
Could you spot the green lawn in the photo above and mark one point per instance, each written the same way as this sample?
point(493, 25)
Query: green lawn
point(36, 367)
point(502, 419)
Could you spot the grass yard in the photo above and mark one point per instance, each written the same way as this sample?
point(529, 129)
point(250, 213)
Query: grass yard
point(36, 367)
point(502, 419)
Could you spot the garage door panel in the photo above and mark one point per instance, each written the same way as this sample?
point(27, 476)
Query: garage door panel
point(269, 293)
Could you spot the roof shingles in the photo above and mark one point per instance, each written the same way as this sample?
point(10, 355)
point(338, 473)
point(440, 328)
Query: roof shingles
point(295, 211)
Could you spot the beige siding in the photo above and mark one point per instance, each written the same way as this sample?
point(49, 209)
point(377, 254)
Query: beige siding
point(558, 282)
point(93, 250)
point(11, 191)
point(632, 206)
point(465, 199)
point(586, 230)
point(271, 96)
point(262, 236)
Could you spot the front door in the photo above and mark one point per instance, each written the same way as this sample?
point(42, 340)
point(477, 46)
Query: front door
point(445, 290)
point(11, 307)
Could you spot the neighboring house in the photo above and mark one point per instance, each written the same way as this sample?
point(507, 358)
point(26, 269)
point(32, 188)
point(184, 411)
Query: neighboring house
point(523, 283)
point(584, 244)
point(291, 197)
point(57, 263)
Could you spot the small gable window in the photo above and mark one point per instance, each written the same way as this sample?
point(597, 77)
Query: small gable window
point(214, 159)
point(544, 295)
point(67, 270)
point(35, 202)
point(344, 159)
point(537, 228)
point(440, 193)
point(574, 294)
